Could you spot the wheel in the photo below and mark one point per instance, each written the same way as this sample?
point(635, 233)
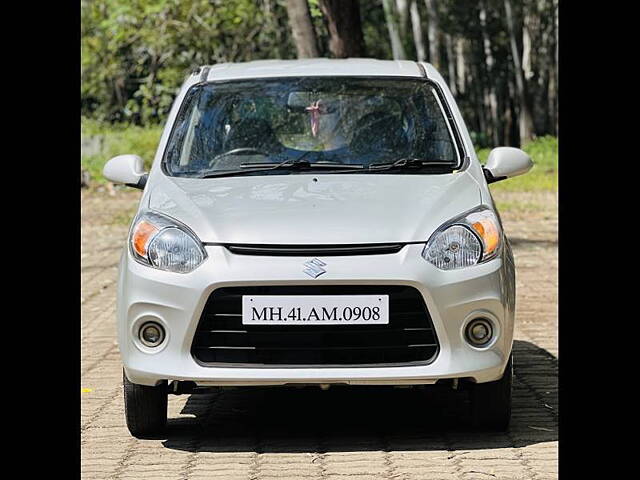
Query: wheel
point(145, 408)
point(491, 402)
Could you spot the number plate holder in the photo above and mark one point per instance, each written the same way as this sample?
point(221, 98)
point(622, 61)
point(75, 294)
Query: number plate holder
point(315, 310)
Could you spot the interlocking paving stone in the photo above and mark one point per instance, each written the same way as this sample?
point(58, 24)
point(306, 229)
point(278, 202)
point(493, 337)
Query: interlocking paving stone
point(354, 434)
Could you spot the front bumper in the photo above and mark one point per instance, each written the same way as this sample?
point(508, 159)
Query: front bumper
point(452, 297)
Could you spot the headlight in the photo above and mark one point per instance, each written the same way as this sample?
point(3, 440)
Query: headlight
point(166, 244)
point(473, 238)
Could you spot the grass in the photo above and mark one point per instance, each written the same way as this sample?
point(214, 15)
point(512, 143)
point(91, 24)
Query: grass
point(544, 174)
point(118, 139)
point(112, 140)
point(521, 204)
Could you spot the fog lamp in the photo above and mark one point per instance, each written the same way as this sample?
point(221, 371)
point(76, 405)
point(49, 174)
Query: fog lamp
point(479, 332)
point(151, 334)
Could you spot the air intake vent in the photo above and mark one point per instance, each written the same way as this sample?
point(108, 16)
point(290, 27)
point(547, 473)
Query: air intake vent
point(222, 339)
point(315, 250)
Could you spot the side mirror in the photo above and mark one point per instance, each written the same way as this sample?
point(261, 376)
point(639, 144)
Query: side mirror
point(506, 162)
point(127, 169)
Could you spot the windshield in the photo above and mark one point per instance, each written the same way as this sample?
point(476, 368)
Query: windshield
point(252, 124)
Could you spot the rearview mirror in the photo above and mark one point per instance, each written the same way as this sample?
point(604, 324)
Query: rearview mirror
point(300, 101)
point(506, 162)
point(126, 169)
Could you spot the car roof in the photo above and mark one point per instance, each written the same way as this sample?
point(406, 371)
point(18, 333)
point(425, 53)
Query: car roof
point(309, 68)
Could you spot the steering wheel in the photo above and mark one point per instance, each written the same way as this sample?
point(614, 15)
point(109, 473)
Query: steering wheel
point(237, 151)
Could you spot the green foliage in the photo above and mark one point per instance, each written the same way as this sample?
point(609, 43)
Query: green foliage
point(374, 29)
point(136, 53)
point(543, 175)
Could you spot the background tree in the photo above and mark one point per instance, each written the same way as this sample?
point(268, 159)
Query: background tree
point(433, 33)
point(393, 25)
point(343, 24)
point(418, 37)
point(499, 57)
point(525, 120)
point(304, 35)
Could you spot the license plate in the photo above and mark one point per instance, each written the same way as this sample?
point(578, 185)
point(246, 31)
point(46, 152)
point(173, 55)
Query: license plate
point(315, 310)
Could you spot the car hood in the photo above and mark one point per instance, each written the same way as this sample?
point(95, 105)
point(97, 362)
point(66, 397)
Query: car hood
point(301, 209)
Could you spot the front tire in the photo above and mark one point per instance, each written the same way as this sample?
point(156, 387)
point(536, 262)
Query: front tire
point(491, 402)
point(145, 408)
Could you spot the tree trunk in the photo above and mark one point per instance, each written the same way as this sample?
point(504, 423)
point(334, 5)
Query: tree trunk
point(451, 63)
point(526, 48)
point(402, 7)
point(418, 38)
point(476, 93)
point(491, 100)
point(553, 72)
point(344, 26)
point(540, 62)
point(508, 116)
point(433, 33)
point(406, 37)
point(461, 73)
point(391, 17)
point(525, 121)
point(304, 35)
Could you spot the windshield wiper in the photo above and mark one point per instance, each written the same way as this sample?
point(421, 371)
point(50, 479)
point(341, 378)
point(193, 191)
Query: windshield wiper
point(410, 162)
point(302, 164)
point(292, 164)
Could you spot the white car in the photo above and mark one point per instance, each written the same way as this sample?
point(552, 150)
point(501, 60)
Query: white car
point(316, 222)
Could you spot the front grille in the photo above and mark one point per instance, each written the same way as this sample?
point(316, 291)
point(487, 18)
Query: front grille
point(221, 338)
point(315, 250)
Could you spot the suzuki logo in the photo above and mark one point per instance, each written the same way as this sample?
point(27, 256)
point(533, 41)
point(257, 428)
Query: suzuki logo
point(313, 268)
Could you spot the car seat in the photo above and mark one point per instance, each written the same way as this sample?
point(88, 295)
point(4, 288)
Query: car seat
point(379, 132)
point(252, 132)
